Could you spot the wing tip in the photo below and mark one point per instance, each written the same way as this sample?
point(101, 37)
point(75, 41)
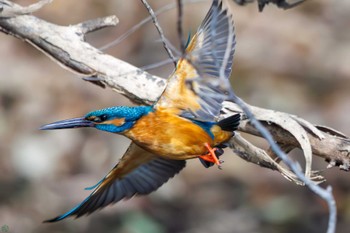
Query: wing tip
point(56, 219)
point(230, 123)
point(69, 213)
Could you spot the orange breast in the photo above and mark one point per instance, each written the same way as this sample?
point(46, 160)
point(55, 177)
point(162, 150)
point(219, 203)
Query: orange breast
point(171, 136)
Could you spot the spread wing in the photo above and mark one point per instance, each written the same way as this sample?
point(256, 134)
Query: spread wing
point(138, 172)
point(200, 82)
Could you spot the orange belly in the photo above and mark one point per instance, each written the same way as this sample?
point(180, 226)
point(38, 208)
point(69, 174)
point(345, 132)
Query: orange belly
point(168, 135)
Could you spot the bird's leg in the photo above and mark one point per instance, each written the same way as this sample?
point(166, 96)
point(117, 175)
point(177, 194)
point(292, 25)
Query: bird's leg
point(210, 156)
point(218, 152)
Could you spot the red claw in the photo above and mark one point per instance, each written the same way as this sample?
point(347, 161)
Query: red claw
point(211, 156)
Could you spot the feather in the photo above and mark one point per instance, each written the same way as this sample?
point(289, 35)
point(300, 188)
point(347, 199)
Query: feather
point(139, 172)
point(200, 83)
point(230, 123)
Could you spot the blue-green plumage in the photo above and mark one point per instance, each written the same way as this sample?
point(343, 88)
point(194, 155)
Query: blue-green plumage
point(129, 113)
point(115, 129)
point(206, 126)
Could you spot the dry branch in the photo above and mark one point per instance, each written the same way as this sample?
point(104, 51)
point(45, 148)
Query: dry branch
point(66, 46)
point(283, 4)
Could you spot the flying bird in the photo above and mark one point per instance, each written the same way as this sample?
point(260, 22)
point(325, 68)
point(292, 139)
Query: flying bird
point(181, 125)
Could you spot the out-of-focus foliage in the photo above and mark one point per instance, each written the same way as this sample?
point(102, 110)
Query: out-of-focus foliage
point(295, 61)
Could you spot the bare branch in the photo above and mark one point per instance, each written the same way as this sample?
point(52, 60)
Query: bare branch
point(97, 24)
point(66, 46)
point(143, 22)
point(327, 143)
point(253, 154)
point(179, 25)
point(325, 194)
point(160, 30)
point(9, 9)
point(284, 4)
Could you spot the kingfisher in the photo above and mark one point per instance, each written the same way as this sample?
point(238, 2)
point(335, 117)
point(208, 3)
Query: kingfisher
point(183, 124)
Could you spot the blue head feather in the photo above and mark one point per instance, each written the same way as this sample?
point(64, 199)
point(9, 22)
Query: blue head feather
point(129, 114)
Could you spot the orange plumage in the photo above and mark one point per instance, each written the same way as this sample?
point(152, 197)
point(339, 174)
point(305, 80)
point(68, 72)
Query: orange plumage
point(173, 137)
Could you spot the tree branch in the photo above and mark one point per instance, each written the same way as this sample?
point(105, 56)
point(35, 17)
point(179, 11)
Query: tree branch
point(283, 4)
point(160, 31)
point(325, 142)
point(9, 9)
point(66, 46)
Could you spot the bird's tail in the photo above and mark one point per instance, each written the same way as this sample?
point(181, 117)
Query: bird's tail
point(230, 123)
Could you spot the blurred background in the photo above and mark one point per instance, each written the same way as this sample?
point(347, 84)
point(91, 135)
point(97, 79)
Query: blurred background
point(295, 61)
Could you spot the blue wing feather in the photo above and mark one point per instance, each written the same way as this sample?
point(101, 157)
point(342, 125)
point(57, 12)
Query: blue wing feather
point(142, 180)
point(200, 83)
point(213, 53)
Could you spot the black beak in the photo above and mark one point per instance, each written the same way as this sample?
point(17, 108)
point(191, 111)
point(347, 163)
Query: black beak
point(67, 124)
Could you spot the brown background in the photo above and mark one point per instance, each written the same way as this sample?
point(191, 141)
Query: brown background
point(295, 61)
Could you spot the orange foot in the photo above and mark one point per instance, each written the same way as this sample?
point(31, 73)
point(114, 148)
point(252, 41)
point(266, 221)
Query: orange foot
point(211, 156)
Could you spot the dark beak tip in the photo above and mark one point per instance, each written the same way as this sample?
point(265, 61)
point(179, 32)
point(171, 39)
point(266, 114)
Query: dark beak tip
point(43, 128)
point(47, 127)
point(68, 124)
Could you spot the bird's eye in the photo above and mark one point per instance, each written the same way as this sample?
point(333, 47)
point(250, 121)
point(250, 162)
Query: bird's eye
point(103, 117)
point(98, 119)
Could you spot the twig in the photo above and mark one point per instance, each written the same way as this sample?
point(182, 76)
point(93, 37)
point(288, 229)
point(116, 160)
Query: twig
point(334, 147)
point(179, 25)
point(97, 24)
point(136, 27)
point(253, 154)
point(9, 9)
point(325, 194)
point(156, 65)
point(143, 22)
point(284, 4)
point(160, 30)
point(67, 47)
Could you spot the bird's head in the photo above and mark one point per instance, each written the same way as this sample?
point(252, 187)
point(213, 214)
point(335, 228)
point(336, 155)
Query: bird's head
point(113, 120)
